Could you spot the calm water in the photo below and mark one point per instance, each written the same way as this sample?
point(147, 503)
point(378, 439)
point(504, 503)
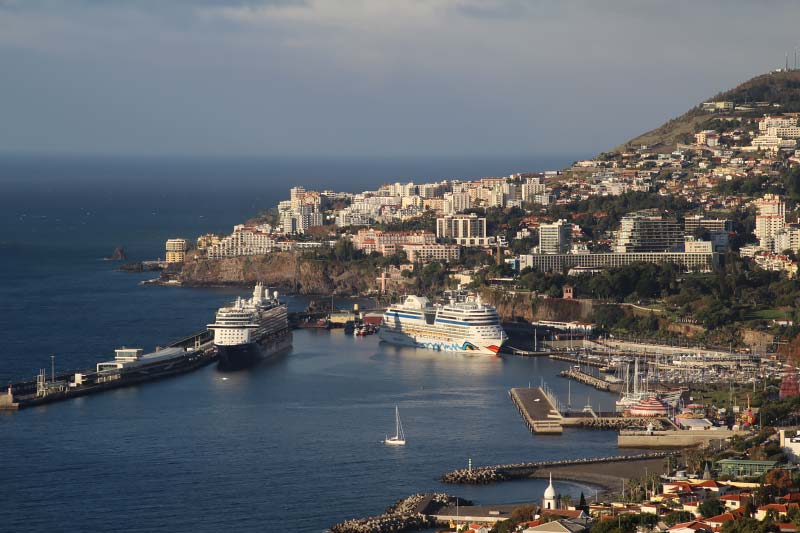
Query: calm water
point(293, 445)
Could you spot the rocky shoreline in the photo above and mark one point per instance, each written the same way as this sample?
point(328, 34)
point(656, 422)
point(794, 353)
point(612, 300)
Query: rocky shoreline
point(409, 514)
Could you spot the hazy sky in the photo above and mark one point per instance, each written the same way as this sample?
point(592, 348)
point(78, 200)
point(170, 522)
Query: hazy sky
point(370, 77)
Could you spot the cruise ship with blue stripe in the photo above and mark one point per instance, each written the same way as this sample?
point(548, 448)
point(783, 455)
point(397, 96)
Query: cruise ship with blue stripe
point(467, 327)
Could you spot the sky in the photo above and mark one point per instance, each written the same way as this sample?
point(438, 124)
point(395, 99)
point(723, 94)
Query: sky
point(368, 77)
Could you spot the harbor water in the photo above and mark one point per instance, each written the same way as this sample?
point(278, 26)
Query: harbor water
point(292, 445)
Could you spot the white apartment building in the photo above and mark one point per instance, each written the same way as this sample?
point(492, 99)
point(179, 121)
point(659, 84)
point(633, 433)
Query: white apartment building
point(788, 238)
point(456, 202)
point(785, 127)
point(466, 230)
point(555, 238)
point(531, 188)
point(425, 253)
point(243, 241)
point(645, 233)
point(770, 220)
point(383, 242)
point(176, 250)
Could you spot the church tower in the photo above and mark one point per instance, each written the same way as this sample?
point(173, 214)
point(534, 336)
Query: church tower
point(549, 500)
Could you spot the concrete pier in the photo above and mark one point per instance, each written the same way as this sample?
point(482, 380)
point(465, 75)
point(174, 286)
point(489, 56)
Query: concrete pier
point(586, 379)
point(539, 414)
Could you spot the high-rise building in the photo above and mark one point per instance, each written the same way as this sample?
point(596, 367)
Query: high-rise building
point(456, 202)
point(555, 238)
point(466, 230)
point(770, 220)
point(176, 250)
point(645, 232)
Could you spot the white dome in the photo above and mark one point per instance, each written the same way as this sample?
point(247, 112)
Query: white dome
point(550, 492)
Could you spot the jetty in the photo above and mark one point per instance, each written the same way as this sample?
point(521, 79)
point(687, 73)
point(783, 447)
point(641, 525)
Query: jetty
point(538, 411)
point(129, 368)
point(576, 359)
point(588, 379)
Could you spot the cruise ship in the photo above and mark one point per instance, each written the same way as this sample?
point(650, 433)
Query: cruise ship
point(250, 330)
point(469, 327)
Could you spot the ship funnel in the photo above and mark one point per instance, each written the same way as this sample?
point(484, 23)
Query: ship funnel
point(257, 292)
point(275, 295)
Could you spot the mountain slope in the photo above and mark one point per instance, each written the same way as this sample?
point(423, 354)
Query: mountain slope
point(781, 88)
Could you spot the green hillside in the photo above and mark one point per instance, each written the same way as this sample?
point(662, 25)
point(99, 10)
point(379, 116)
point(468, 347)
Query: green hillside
point(781, 88)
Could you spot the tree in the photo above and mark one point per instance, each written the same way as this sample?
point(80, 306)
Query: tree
point(711, 507)
point(780, 479)
point(582, 504)
point(677, 517)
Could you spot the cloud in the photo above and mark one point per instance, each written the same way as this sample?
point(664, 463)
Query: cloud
point(377, 76)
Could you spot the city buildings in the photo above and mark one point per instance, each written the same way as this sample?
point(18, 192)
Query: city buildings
point(702, 261)
point(770, 220)
point(646, 232)
point(176, 250)
point(466, 230)
point(555, 238)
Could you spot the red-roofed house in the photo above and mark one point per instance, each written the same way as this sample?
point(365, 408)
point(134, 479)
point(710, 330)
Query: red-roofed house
point(691, 527)
point(717, 521)
point(734, 501)
point(781, 510)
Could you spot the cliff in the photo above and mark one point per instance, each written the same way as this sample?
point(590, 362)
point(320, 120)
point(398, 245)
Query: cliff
point(289, 270)
point(526, 307)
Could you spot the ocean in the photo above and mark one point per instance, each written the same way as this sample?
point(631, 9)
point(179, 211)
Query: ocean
point(292, 445)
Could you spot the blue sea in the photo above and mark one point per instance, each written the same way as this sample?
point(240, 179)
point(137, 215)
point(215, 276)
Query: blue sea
point(293, 445)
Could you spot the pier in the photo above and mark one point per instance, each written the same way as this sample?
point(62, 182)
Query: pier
point(577, 360)
point(539, 414)
point(588, 379)
point(198, 349)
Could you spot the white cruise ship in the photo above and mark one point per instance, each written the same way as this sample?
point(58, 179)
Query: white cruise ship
point(469, 327)
point(251, 329)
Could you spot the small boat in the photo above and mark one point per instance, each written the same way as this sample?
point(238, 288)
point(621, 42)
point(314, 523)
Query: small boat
point(399, 438)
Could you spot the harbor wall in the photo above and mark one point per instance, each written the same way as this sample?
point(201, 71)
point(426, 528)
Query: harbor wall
point(673, 439)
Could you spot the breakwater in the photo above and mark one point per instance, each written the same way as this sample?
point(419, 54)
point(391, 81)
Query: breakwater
point(409, 514)
point(586, 379)
point(492, 474)
point(576, 360)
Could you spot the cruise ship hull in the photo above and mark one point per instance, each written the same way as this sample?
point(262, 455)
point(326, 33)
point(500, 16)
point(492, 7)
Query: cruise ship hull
point(247, 355)
point(474, 347)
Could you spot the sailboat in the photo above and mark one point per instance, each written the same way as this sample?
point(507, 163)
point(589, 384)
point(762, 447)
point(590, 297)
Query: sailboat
point(399, 438)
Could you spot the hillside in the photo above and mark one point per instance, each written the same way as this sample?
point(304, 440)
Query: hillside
point(782, 88)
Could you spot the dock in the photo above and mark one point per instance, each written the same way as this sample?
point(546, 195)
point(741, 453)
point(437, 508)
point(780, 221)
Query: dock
point(592, 381)
point(576, 360)
point(538, 413)
point(199, 352)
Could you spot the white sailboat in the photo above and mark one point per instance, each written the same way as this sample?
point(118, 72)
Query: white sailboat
point(399, 438)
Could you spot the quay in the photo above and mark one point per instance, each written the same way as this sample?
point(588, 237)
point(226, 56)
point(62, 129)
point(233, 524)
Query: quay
point(539, 414)
point(543, 413)
point(129, 368)
point(576, 360)
point(592, 381)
